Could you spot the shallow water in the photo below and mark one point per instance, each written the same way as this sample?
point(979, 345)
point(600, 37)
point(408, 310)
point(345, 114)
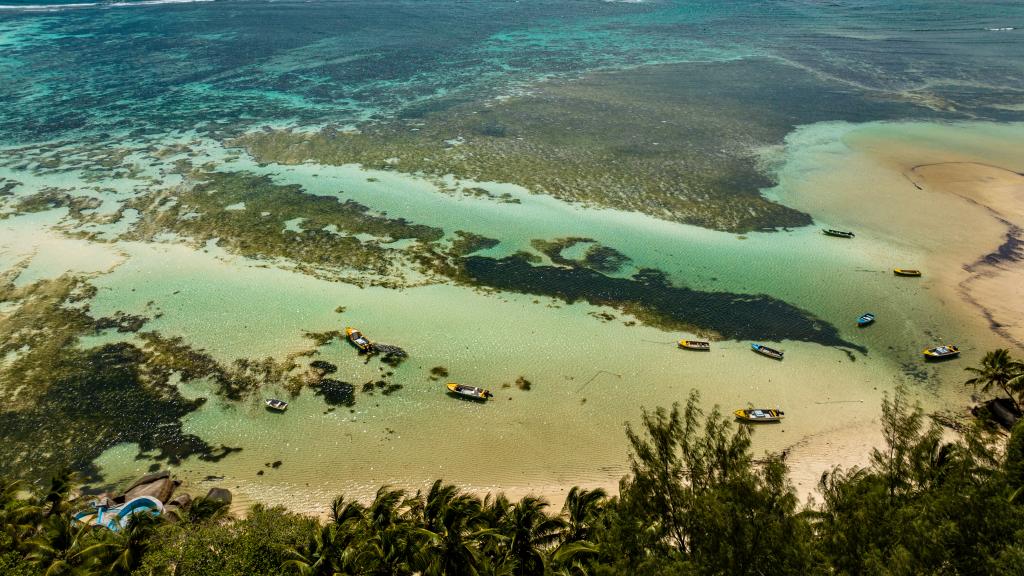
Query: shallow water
point(102, 101)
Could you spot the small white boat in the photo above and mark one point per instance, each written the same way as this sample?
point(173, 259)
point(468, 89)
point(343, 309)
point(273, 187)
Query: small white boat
point(275, 404)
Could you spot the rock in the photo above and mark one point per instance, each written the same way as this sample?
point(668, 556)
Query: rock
point(219, 495)
point(174, 508)
point(158, 485)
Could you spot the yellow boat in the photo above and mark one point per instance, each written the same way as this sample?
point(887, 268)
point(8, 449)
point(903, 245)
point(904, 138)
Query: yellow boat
point(471, 392)
point(906, 272)
point(695, 344)
point(760, 415)
point(944, 351)
point(357, 338)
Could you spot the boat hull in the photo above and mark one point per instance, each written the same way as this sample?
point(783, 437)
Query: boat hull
point(941, 352)
point(766, 351)
point(906, 272)
point(468, 392)
point(698, 345)
point(759, 415)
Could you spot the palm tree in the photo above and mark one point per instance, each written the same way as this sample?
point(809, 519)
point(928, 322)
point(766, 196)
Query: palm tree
point(18, 517)
point(201, 510)
point(121, 552)
point(997, 369)
point(57, 547)
point(531, 532)
point(582, 507)
point(61, 485)
point(453, 530)
point(319, 557)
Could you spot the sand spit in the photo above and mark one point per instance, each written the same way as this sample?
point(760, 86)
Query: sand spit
point(995, 281)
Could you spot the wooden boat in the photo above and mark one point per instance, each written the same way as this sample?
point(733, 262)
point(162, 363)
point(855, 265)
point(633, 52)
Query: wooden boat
point(944, 351)
point(769, 352)
point(695, 344)
point(471, 392)
point(275, 404)
point(760, 415)
point(356, 338)
point(906, 272)
point(865, 319)
point(838, 233)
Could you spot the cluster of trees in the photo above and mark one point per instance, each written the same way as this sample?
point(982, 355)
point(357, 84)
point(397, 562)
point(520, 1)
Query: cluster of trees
point(696, 501)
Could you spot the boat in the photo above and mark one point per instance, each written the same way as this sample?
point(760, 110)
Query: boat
point(944, 351)
point(356, 338)
point(275, 404)
point(838, 233)
point(695, 344)
point(865, 319)
point(906, 272)
point(769, 352)
point(760, 415)
point(471, 392)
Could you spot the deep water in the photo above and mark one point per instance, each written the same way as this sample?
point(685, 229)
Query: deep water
point(117, 68)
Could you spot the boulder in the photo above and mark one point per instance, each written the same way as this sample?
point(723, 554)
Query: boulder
point(178, 505)
point(159, 485)
point(219, 495)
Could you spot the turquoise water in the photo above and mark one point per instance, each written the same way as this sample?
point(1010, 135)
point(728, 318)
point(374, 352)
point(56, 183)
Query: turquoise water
point(101, 99)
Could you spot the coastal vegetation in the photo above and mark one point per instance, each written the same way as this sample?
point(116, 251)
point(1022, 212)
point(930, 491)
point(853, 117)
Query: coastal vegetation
point(696, 501)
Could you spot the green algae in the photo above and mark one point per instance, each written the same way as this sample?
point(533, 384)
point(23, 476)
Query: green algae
point(596, 256)
point(64, 405)
point(317, 233)
point(466, 243)
point(650, 297)
point(649, 140)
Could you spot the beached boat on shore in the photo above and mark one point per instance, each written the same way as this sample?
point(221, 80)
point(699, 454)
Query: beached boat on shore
point(838, 233)
point(760, 415)
point(275, 404)
point(769, 352)
point(358, 340)
point(944, 351)
point(695, 345)
point(865, 319)
point(906, 272)
point(471, 392)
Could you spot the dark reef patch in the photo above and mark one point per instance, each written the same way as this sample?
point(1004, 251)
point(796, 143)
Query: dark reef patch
point(336, 392)
point(650, 296)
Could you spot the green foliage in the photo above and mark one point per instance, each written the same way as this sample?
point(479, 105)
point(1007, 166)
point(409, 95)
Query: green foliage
point(696, 502)
point(999, 369)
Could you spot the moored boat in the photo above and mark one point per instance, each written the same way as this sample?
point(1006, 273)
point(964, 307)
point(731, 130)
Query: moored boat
point(944, 351)
point(275, 404)
point(865, 319)
point(906, 272)
point(838, 233)
point(471, 392)
point(760, 415)
point(356, 338)
point(695, 344)
point(769, 352)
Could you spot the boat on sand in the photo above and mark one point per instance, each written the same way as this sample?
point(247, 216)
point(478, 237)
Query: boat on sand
point(760, 415)
point(769, 352)
point(944, 351)
point(695, 344)
point(838, 233)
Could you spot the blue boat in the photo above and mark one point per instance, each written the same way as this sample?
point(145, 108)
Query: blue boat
point(866, 319)
point(769, 352)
